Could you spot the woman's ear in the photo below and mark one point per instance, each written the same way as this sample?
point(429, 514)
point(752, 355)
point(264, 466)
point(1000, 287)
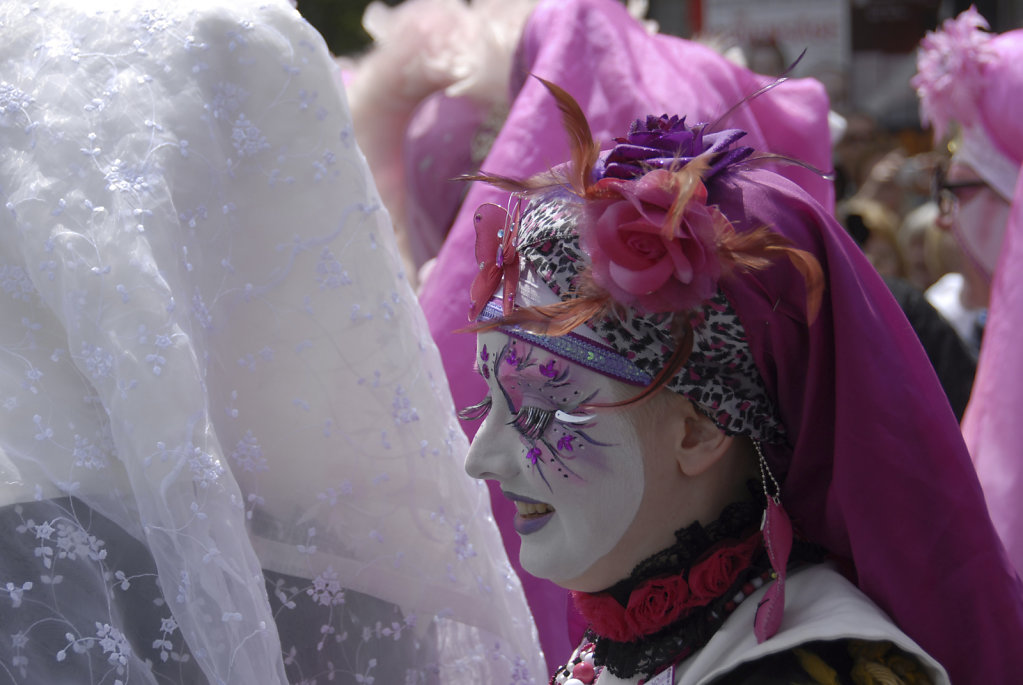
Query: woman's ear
point(685, 435)
point(701, 443)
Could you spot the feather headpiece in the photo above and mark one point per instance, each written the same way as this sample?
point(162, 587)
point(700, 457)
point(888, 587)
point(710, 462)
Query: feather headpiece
point(950, 65)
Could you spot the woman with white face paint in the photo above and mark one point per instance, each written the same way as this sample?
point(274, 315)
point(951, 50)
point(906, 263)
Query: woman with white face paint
point(679, 345)
point(600, 491)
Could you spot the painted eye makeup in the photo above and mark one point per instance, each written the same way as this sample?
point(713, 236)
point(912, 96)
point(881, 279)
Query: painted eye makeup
point(554, 438)
point(556, 432)
point(533, 422)
point(574, 419)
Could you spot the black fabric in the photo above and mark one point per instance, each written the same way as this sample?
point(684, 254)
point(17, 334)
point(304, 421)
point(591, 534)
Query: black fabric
point(737, 522)
point(53, 627)
point(835, 662)
point(785, 668)
point(76, 585)
point(950, 356)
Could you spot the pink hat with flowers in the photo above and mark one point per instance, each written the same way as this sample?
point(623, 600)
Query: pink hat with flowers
point(972, 78)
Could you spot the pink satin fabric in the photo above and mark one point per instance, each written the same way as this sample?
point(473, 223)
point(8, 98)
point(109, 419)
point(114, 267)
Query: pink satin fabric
point(992, 424)
point(878, 472)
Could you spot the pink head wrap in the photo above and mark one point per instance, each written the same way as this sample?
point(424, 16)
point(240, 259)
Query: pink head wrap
point(991, 425)
point(617, 71)
point(975, 79)
point(877, 471)
point(446, 137)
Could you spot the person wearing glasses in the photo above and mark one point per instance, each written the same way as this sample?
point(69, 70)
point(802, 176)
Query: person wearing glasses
point(969, 83)
point(975, 213)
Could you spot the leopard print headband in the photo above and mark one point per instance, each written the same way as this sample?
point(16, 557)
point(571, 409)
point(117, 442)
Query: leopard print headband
point(720, 377)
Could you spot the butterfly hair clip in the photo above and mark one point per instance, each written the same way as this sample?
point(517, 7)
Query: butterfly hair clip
point(496, 257)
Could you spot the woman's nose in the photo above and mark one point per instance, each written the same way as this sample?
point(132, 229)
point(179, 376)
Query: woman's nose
point(494, 453)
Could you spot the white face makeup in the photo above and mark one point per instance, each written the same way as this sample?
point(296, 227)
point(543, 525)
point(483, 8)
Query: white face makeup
point(980, 220)
point(576, 476)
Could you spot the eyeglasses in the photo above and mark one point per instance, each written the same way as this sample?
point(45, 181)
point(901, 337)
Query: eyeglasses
point(943, 191)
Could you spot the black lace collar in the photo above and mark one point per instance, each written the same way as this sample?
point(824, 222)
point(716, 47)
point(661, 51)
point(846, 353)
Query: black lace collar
point(674, 643)
point(737, 522)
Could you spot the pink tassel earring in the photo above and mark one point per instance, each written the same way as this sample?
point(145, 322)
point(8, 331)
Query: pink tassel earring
point(777, 529)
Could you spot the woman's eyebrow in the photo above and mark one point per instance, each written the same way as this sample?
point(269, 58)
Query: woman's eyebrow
point(528, 375)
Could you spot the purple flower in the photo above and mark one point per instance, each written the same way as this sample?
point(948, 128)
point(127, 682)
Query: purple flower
point(667, 143)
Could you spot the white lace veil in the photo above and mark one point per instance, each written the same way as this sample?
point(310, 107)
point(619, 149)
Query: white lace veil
point(228, 453)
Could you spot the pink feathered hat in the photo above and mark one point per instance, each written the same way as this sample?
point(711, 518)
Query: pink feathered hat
point(973, 78)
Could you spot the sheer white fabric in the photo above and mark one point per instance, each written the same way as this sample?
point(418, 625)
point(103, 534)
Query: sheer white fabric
point(228, 453)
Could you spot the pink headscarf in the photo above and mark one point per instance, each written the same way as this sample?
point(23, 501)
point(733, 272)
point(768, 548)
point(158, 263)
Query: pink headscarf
point(617, 71)
point(443, 140)
point(991, 425)
point(878, 472)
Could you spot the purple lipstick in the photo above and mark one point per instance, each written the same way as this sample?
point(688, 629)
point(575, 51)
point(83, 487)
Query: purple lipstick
point(531, 514)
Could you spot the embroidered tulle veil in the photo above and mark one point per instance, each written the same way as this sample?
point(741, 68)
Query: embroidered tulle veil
point(228, 452)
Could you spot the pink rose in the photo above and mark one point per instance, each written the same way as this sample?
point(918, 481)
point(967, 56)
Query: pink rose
point(640, 259)
point(656, 604)
point(710, 578)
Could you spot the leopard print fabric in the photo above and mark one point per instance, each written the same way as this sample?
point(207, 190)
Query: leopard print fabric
point(721, 377)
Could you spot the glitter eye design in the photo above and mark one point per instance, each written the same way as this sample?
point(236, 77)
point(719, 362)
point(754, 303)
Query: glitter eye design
point(553, 437)
point(532, 422)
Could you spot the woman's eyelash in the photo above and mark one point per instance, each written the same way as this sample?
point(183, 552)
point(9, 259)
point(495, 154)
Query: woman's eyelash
point(532, 422)
point(477, 411)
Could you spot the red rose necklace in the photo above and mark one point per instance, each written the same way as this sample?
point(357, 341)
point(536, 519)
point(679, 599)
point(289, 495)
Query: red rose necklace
point(627, 620)
point(659, 602)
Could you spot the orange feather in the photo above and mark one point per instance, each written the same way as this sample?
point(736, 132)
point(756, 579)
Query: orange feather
point(553, 319)
point(759, 248)
point(585, 150)
point(686, 181)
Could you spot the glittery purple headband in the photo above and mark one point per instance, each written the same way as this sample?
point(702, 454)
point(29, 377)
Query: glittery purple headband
point(575, 348)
